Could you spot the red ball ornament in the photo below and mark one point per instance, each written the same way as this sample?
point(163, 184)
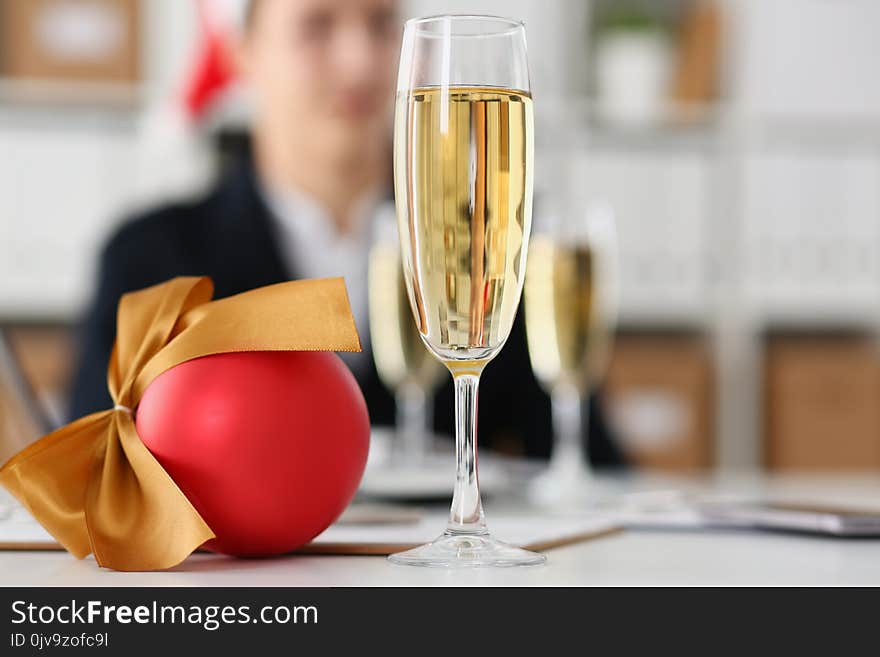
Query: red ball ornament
point(268, 446)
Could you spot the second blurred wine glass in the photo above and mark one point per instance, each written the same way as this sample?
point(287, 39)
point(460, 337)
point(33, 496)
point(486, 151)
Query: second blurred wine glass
point(403, 362)
point(571, 310)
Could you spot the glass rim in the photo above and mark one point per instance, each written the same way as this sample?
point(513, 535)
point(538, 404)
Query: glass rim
point(511, 23)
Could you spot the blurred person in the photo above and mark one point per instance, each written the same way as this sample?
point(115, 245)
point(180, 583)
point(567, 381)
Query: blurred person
point(300, 204)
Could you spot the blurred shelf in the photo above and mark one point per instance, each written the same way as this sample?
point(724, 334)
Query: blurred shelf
point(31, 102)
point(756, 319)
point(805, 133)
point(581, 122)
point(607, 136)
point(115, 95)
point(647, 318)
point(824, 318)
point(18, 313)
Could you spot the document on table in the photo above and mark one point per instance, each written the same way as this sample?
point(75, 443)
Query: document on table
point(381, 531)
point(765, 516)
point(533, 532)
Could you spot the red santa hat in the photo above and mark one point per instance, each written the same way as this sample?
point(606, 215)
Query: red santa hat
point(212, 73)
point(174, 155)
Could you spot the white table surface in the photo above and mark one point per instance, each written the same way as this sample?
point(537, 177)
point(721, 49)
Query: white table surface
point(632, 557)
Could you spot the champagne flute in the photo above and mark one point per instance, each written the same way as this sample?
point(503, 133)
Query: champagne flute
point(403, 362)
point(571, 309)
point(463, 152)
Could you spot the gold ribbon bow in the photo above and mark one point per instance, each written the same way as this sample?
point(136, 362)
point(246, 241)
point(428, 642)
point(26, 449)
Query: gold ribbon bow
point(93, 484)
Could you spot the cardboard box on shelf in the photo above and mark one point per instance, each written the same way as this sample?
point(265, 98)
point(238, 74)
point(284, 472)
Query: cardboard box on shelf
point(659, 394)
point(70, 40)
point(822, 403)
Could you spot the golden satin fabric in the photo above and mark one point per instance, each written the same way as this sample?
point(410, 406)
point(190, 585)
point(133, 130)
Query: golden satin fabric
point(93, 484)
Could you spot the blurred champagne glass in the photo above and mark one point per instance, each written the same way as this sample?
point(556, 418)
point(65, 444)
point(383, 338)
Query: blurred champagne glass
point(403, 362)
point(571, 311)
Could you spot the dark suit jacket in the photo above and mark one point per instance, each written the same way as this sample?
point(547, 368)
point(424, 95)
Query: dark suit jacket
point(229, 236)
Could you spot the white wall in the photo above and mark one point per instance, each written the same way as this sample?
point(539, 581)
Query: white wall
point(68, 175)
point(63, 181)
point(803, 66)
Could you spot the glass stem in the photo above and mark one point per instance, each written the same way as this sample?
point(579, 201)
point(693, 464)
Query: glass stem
point(466, 514)
point(569, 453)
point(412, 423)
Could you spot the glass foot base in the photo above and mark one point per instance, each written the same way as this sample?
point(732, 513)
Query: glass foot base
point(467, 551)
point(563, 488)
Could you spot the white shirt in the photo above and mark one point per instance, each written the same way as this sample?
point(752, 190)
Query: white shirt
point(313, 248)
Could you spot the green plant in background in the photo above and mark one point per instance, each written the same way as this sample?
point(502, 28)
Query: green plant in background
point(629, 17)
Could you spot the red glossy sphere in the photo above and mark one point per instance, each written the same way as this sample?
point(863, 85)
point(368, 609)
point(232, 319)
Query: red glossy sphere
point(268, 446)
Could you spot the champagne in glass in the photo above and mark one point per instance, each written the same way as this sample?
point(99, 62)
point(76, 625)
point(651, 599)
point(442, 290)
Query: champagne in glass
point(570, 299)
point(568, 330)
point(403, 362)
point(467, 190)
point(463, 175)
